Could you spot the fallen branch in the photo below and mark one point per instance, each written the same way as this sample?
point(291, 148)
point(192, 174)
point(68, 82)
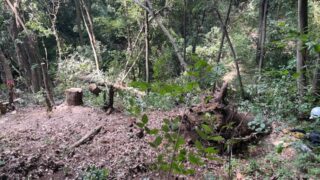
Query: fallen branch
point(87, 137)
point(117, 86)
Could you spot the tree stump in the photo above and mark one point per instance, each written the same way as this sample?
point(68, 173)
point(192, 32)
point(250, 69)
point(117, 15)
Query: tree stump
point(74, 97)
point(94, 89)
point(3, 108)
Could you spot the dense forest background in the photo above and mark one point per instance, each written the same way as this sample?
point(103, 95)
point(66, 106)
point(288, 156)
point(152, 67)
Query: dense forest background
point(167, 54)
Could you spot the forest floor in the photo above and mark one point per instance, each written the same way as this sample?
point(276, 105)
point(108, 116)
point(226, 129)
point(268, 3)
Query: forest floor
point(37, 144)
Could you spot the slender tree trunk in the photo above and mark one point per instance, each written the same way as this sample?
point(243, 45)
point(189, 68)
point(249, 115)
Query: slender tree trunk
point(262, 33)
point(78, 20)
point(49, 96)
point(8, 76)
point(224, 29)
point(301, 48)
point(54, 12)
point(316, 78)
point(185, 30)
point(146, 27)
point(223, 33)
point(172, 40)
point(89, 28)
point(199, 29)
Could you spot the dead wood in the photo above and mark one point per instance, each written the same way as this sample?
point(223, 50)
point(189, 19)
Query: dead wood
point(224, 119)
point(118, 86)
point(94, 89)
point(87, 137)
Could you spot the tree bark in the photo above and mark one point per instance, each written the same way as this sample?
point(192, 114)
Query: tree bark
point(89, 27)
point(8, 76)
point(46, 83)
point(316, 78)
point(74, 97)
point(262, 33)
point(223, 33)
point(198, 31)
point(301, 48)
point(146, 34)
point(27, 51)
point(235, 59)
point(54, 12)
point(78, 20)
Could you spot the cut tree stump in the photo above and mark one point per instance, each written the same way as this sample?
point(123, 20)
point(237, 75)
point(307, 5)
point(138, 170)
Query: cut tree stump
point(3, 108)
point(74, 96)
point(94, 89)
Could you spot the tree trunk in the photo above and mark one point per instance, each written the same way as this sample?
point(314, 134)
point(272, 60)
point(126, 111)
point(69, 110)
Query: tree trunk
point(146, 27)
point(8, 76)
point(316, 78)
point(223, 33)
point(78, 20)
point(108, 107)
point(235, 59)
point(184, 30)
point(198, 31)
point(301, 48)
point(89, 27)
point(46, 85)
point(27, 52)
point(262, 33)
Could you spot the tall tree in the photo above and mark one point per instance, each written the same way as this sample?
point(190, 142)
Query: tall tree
point(166, 32)
point(87, 19)
point(146, 34)
point(233, 51)
point(262, 33)
point(301, 48)
point(5, 63)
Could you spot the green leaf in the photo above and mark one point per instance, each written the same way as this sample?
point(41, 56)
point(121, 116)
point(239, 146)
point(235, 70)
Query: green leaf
point(140, 125)
point(165, 128)
point(194, 159)
point(206, 128)
point(156, 142)
point(211, 150)
point(144, 119)
point(190, 172)
point(317, 48)
point(153, 131)
point(143, 86)
point(182, 155)
point(180, 141)
point(199, 145)
point(201, 134)
point(216, 138)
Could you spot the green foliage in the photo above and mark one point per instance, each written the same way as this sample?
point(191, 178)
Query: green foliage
point(259, 124)
point(94, 173)
point(175, 156)
point(308, 163)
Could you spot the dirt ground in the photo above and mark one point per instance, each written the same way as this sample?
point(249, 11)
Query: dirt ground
point(36, 144)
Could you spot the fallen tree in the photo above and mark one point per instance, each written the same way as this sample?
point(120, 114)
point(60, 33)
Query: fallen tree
point(117, 85)
point(222, 123)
